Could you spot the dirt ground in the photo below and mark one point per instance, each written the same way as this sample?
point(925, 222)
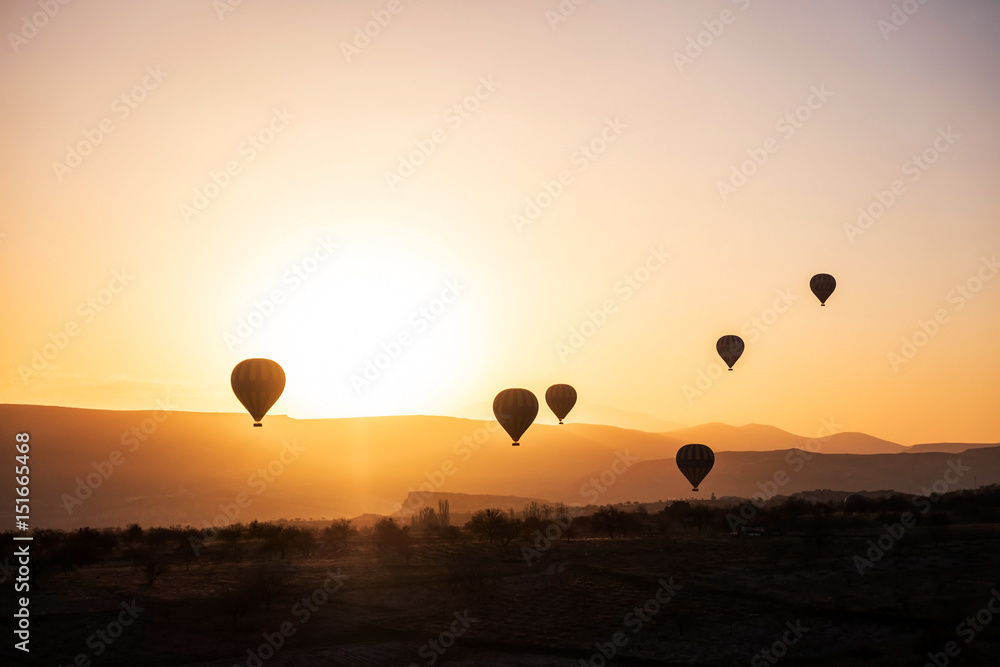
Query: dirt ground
point(730, 599)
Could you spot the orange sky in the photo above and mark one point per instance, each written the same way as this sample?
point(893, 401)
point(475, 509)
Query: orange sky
point(171, 168)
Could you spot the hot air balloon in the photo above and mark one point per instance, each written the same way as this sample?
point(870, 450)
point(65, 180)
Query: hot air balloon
point(822, 285)
point(561, 399)
point(729, 348)
point(695, 461)
point(258, 383)
point(856, 503)
point(515, 409)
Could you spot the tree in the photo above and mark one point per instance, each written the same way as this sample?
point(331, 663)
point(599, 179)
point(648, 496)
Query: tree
point(185, 551)
point(488, 523)
point(132, 535)
point(231, 535)
point(613, 520)
point(157, 537)
point(389, 536)
point(153, 566)
point(606, 519)
point(276, 538)
point(303, 539)
point(427, 520)
point(641, 521)
point(533, 510)
point(339, 534)
point(444, 513)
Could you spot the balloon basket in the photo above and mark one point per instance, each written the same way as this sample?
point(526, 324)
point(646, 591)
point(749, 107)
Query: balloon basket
point(257, 425)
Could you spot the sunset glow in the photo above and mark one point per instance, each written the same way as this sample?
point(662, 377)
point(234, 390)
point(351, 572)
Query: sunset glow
point(480, 196)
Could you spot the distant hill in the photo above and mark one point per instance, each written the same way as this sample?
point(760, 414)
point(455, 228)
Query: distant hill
point(585, 412)
point(461, 506)
point(786, 472)
point(107, 468)
point(760, 438)
point(366, 520)
point(955, 447)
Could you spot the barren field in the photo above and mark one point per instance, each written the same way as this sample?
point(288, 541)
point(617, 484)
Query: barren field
point(724, 601)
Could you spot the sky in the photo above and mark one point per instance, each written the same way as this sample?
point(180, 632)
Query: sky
point(411, 205)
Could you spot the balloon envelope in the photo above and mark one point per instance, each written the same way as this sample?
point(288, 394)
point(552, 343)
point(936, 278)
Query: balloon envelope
point(855, 503)
point(257, 383)
point(561, 399)
point(822, 285)
point(695, 461)
point(730, 348)
point(515, 409)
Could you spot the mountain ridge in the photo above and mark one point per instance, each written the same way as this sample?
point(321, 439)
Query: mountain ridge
point(107, 467)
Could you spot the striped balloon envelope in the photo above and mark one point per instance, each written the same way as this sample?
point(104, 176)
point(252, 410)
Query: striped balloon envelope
point(730, 348)
point(561, 398)
point(695, 462)
point(257, 383)
point(822, 285)
point(515, 409)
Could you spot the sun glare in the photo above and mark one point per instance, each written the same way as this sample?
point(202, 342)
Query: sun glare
point(378, 330)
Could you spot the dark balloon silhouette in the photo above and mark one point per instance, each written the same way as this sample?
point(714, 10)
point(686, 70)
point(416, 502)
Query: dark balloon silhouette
point(561, 398)
point(695, 462)
point(822, 285)
point(730, 348)
point(515, 409)
point(257, 383)
point(855, 503)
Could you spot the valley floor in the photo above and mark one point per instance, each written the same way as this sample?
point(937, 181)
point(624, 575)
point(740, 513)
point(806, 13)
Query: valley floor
point(726, 601)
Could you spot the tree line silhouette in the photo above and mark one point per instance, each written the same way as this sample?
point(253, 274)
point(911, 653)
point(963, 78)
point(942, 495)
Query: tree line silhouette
point(156, 550)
